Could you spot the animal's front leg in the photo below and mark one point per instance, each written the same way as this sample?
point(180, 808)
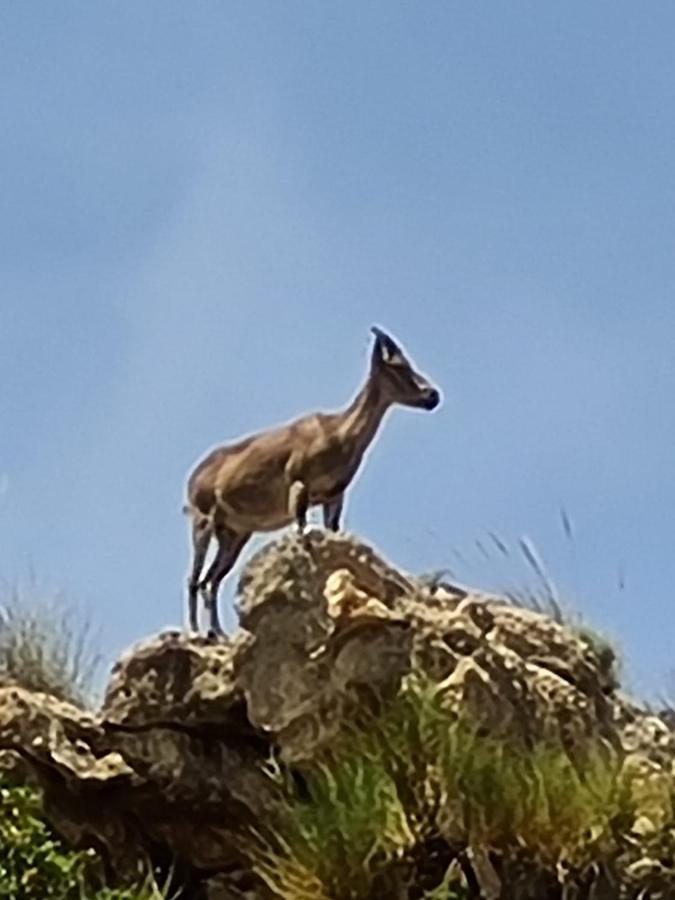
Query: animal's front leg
point(201, 537)
point(332, 513)
point(298, 502)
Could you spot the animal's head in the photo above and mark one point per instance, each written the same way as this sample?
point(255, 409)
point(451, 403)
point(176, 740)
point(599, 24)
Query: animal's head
point(398, 381)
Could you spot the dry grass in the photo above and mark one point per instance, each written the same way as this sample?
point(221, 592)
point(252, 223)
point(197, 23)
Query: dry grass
point(46, 643)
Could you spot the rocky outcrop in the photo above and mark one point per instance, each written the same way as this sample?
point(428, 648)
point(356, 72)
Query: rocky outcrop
point(174, 764)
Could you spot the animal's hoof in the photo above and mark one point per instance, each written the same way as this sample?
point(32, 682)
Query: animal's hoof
point(306, 537)
point(215, 634)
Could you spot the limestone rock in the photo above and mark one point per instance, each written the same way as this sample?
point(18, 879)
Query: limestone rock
point(179, 759)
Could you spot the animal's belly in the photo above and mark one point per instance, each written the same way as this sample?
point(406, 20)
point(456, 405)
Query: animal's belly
point(258, 500)
point(322, 489)
point(256, 506)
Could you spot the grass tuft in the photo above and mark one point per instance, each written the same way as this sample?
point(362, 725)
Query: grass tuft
point(417, 776)
point(46, 644)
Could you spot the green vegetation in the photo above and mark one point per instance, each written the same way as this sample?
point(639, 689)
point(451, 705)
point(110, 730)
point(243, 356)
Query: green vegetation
point(34, 864)
point(410, 794)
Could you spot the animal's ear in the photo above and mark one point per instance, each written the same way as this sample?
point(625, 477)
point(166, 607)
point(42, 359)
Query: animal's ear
point(386, 349)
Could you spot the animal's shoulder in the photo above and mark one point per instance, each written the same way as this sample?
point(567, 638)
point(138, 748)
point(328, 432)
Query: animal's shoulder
point(312, 425)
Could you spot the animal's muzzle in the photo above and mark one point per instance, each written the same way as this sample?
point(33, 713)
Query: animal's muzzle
point(431, 399)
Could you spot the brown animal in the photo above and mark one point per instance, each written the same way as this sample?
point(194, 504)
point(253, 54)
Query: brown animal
point(269, 480)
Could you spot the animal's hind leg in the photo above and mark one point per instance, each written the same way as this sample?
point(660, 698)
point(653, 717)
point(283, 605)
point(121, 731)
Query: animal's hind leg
point(221, 536)
point(230, 545)
point(201, 537)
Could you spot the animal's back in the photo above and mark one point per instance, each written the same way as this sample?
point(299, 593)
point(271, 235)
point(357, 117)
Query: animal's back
point(247, 464)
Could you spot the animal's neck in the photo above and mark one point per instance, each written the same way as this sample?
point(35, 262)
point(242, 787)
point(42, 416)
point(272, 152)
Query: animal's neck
point(360, 421)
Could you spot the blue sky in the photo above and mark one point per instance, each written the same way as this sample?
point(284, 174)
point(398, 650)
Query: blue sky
point(205, 207)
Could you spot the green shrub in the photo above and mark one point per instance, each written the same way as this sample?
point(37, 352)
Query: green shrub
point(34, 864)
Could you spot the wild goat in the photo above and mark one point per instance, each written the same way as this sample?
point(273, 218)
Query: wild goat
point(269, 480)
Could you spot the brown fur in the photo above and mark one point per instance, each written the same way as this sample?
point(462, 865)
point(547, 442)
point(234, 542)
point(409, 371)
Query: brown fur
point(268, 480)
